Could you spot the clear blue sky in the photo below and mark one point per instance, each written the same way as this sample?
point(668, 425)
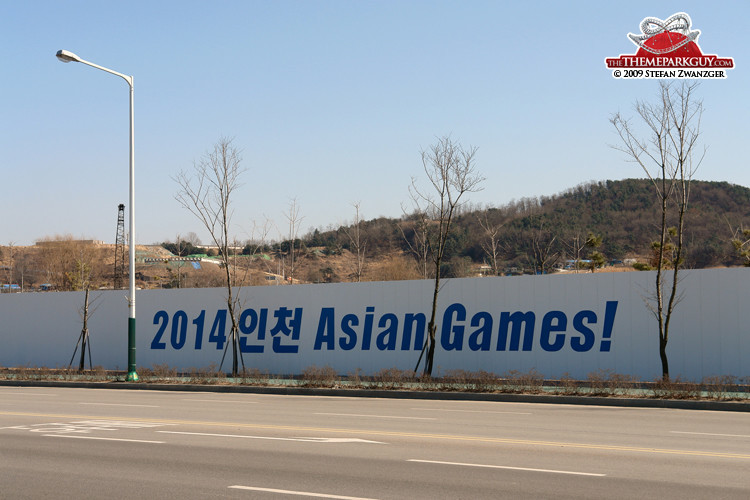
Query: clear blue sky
point(330, 102)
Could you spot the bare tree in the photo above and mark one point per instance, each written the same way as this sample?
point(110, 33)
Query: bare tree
point(491, 242)
point(180, 263)
point(295, 220)
point(575, 246)
point(84, 341)
point(357, 242)
point(669, 157)
point(542, 254)
point(80, 279)
point(414, 230)
point(537, 244)
point(192, 238)
point(10, 258)
point(10, 266)
point(451, 173)
point(71, 264)
point(207, 193)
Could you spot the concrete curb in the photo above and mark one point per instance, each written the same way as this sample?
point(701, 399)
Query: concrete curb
point(398, 394)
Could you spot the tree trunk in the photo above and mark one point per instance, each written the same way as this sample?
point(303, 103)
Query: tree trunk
point(84, 331)
point(234, 354)
point(431, 326)
point(664, 360)
point(430, 350)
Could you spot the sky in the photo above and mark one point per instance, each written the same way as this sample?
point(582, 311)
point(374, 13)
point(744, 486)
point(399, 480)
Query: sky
point(329, 102)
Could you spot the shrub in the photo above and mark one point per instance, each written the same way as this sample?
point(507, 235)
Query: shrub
point(567, 385)
point(675, 389)
point(314, 376)
point(161, 372)
point(608, 383)
point(206, 375)
point(720, 386)
point(519, 382)
point(394, 378)
point(253, 376)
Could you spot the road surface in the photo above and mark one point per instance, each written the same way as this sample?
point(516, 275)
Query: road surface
point(100, 443)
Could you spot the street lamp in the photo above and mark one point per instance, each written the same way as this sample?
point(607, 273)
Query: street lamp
point(66, 57)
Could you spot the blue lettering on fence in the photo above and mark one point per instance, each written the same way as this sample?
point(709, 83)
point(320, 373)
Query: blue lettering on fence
point(515, 321)
point(553, 321)
point(386, 333)
point(452, 336)
point(586, 342)
point(282, 327)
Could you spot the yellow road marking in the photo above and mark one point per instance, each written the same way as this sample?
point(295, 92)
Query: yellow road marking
point(450, 437)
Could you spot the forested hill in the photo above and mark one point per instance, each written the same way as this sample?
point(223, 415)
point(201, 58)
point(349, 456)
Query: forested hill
point(624, 213)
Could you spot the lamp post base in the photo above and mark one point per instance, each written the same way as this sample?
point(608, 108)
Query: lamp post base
point(132, 375)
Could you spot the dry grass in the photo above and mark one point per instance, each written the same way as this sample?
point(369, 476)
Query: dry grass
point(159, 372)
point(462, 380)
point(314, 376)
point(253, 376)
point(517, 382)
point(602, 383)
point(675, 388)
point(725, 387)
point(393, 379)
point(608, 383)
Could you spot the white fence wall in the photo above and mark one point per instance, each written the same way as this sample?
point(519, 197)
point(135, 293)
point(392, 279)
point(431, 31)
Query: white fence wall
point(558, 324)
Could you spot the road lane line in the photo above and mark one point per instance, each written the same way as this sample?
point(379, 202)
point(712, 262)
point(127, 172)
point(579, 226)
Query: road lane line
point(341, 440)
point(103, 439)
point(119, 404)
point(297, 493)
point(374, 416)
point(221, 401)
point(475, 411)
point(13, 393)
point(551, 471)
point(371, 432)
point(711, 434)
point(271, 438)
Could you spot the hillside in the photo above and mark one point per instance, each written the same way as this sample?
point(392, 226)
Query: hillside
point(623, 213)
point(529, 235)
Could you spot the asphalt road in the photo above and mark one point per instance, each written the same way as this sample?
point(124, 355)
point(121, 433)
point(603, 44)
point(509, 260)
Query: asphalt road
point(99, 443)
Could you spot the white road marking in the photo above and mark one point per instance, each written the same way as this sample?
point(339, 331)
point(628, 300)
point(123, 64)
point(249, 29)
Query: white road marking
point(297, 493)
point(340, 440)
point(26, 393)
point(711, 434)
point(271, 438)
point(121, 424)
point(84, 426)
point(310, 397)
point(374, 416)
point(119, 404)
point(103, 439)
point(231, 436)
point(221, 401)
point(552, 471)
point(475, 411)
